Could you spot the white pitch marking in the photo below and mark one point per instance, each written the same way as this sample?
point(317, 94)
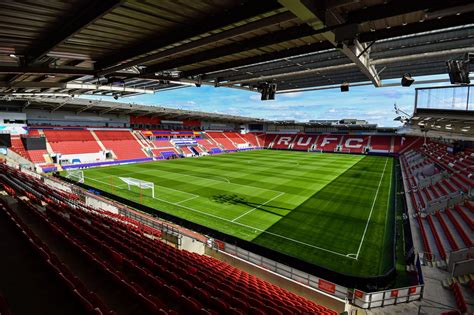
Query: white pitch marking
point(257, 207)
point(99, 181)
point(177, 203)
point(187, 175)
point(252, 228)
point(372, 209)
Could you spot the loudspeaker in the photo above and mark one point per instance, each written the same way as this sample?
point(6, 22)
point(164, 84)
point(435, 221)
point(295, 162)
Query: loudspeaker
point(265, 95)
point(267, 90)
point(272, 88)
point(407, 80)
point(458, 71)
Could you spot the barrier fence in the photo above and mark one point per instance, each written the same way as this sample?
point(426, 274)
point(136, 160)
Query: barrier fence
point(357, 297)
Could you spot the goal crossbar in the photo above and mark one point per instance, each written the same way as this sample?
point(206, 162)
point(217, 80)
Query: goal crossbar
point(130, 181)
point(76, 175)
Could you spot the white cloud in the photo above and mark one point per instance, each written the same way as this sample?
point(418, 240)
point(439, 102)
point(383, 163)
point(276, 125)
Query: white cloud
point(291, 95)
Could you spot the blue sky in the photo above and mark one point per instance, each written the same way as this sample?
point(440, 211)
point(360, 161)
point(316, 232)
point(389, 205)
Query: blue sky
point(367, 102)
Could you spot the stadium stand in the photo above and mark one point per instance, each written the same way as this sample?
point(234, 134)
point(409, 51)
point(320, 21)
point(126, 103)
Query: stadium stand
point(18, 147)
point(252, 139)
point(222, 139)
point(207, 144)
point(235, 137)
point(380, 143)
point(163, 148)
point(439, 188)
point(126, 147)
point(458, 295)
point(71, 141)
point(4, 309)
point(329, 143)
point(164, 279)
point(122, 143)
point(36, 156)
point(283, 141)
point(48, 271)
point(304, 142)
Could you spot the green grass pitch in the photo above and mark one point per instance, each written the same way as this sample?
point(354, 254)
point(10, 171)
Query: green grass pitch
point(327, 209)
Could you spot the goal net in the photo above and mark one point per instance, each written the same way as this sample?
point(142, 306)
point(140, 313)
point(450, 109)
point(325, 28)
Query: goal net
point(75, 175)
point(130, 181)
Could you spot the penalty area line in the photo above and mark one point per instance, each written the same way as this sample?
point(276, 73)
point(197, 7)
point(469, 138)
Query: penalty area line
point(249, 227)
point(257, 207)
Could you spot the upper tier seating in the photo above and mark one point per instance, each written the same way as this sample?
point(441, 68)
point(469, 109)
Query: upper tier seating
point(72, 141)
point(122, 143)
point(166, 280)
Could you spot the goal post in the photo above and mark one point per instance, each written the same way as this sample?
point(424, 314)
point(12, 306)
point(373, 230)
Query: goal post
point(130, 181)
point(75, 175)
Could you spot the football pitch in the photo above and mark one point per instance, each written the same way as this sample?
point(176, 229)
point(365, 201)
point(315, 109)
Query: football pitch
point(327, 209)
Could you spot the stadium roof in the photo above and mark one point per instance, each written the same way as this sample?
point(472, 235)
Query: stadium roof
point(128, 47)
point(457, 124)
point(100, 107)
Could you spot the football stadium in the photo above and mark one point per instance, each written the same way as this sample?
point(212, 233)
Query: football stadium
point(112, 202)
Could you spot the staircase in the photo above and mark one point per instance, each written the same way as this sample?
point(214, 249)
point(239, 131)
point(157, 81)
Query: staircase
point(101, 145)
point(48, 146)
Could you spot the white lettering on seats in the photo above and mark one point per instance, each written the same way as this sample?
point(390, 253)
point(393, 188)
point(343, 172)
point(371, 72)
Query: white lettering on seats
point(327, 141)
point(285, 140)
point(354, 146)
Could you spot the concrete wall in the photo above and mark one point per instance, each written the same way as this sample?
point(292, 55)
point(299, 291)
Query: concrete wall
point(99, 204)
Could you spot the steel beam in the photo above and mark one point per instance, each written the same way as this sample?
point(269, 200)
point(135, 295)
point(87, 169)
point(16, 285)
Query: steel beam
point(212, 39)
point(311, 48)
point(248, 10)
point(241, 46)
point(314, 14)
point(46, 70)
point(83, 17)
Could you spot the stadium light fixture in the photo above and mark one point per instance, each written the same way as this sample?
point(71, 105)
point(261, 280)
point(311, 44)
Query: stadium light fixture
point(407, 80)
